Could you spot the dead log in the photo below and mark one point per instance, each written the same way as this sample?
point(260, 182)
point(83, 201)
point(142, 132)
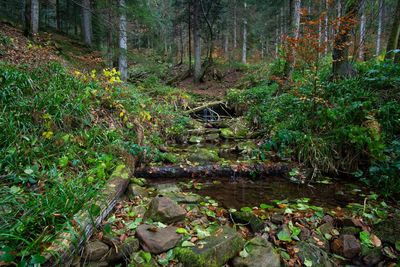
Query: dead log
point(67, 244)
point(241, 170)
point(204, 106)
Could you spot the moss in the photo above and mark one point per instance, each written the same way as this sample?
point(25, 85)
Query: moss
point(189, 258)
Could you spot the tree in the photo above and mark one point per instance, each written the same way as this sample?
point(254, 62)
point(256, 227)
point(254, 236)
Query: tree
point(34, 25)
point(379, 31)
point(197, 41)
point(244, 48)
point(394, 34)
point(341, 66)
point(123, 41)
point(363, 31)
point(87, 22)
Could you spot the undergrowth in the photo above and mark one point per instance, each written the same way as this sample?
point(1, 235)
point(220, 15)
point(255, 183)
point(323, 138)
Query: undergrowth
point(350, 126)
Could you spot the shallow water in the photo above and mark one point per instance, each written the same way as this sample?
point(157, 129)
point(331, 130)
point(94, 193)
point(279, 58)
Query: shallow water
point(245, 192)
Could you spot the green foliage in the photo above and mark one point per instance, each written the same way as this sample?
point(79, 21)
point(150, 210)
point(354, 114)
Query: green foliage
point(332, 126)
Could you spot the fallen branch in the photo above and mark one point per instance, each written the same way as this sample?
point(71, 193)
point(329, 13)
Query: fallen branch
point(204, 106)
point(240, 170)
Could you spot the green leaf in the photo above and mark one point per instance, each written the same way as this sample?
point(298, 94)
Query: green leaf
point(28, 171)
point(146, 256)
point(94, 210)
point(283, 235)
point(244, 253)
point(265, 206)
point(285, 255)
point(308, 262)
point(201, 234)
point(182, 231)
point(246, 209)
point(187, 244)
point(295, 230)
point(365, 238)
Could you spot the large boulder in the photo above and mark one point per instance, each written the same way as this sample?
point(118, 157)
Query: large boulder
point(163, 209)
point(347, 246)
point(260, 254)
point(311, 252)
point(214, 251)
point(95, 251)
point(157, 240)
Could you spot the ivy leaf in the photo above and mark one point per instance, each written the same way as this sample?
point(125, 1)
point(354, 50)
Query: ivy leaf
point(365, 238)
point(186, 244)
point(182, 231)
point(283, 235)
point(244, 253)
point(246, 209)
point(265, 206)
point(308, 262)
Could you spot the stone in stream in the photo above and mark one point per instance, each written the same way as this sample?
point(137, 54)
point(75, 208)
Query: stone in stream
point(163, 209)
point(250, 219)
point(157, 240)
point(203, 155)
point(215, 251)
point(95, 251)
point(135, 190)
point(314, 254)
point(261, 253)
point(347, 246)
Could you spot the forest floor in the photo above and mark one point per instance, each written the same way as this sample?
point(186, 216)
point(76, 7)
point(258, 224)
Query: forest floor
point(205, 195)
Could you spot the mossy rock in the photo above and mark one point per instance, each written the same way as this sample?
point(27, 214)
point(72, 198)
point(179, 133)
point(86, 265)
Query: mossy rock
point(196, 139)
point(250, 219)
point(227, 133)
point(216, 251)
point(203, 155)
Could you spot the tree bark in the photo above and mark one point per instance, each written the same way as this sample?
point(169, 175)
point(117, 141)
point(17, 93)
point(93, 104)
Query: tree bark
point(197, 42)
point(58, 16)
point(394, 34)
point(379, 31)
point(190, 34)
point(244, 48)
point(341, 66)
point(123, 41)
point(326, 32)
point(363, 22)
point(87, 22)
point(235, 26)
point(34, 16)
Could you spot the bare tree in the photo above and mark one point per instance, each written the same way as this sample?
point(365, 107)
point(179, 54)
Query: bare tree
point(379, 31)
point(87, 22)
point(363, 31)
point(34, 17)
point(244, 48)
point(197, 41)
point(123, 41)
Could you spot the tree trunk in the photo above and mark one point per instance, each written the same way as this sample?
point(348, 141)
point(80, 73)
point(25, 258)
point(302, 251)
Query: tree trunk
point(235, 27)
point(394, 34)
point(379, 32)
point(123, 41)
point(226, 44)
point(34, 16)
point(197, 42)
point(326, 32)
point(190, 35)
point(244, 49)
point(58, 16)
point(397, 57)
point(363, 22)
point(341, 66)
point(87, 22)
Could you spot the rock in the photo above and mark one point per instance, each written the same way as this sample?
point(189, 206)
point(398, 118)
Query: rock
point(311, 252)
point(328, 219)
point(227, 133)
point(261, 253)
point(389, 230)
point(371, 257)
point(184, 198)
point(249, 218)
point(350, 230)
point(277, 218)
point(212, 137)
point(305, 233)
point(95, 251)
point(157, 240)
point(124, 250)
point(163, 189)
point(347, 246)
point(195, 139)
point(217, 249)
point(203, 155)
point(326, 228)
point(139, 210)
point(135, 190)
point(163, 209)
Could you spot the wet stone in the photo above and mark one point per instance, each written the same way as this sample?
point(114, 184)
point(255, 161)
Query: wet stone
point(163, 209)
point(157, 240)
point(261, 253)
point(347, 246)
point(216, 250)
point(311, 252)
point(250, 219)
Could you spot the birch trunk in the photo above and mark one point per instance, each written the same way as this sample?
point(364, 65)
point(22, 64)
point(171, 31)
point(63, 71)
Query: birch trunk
point(363, 22)
point(244, 49)
point(34, 16)
point(379, 32)
point(123, 41)
point(87, 22)
point(197, 42)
